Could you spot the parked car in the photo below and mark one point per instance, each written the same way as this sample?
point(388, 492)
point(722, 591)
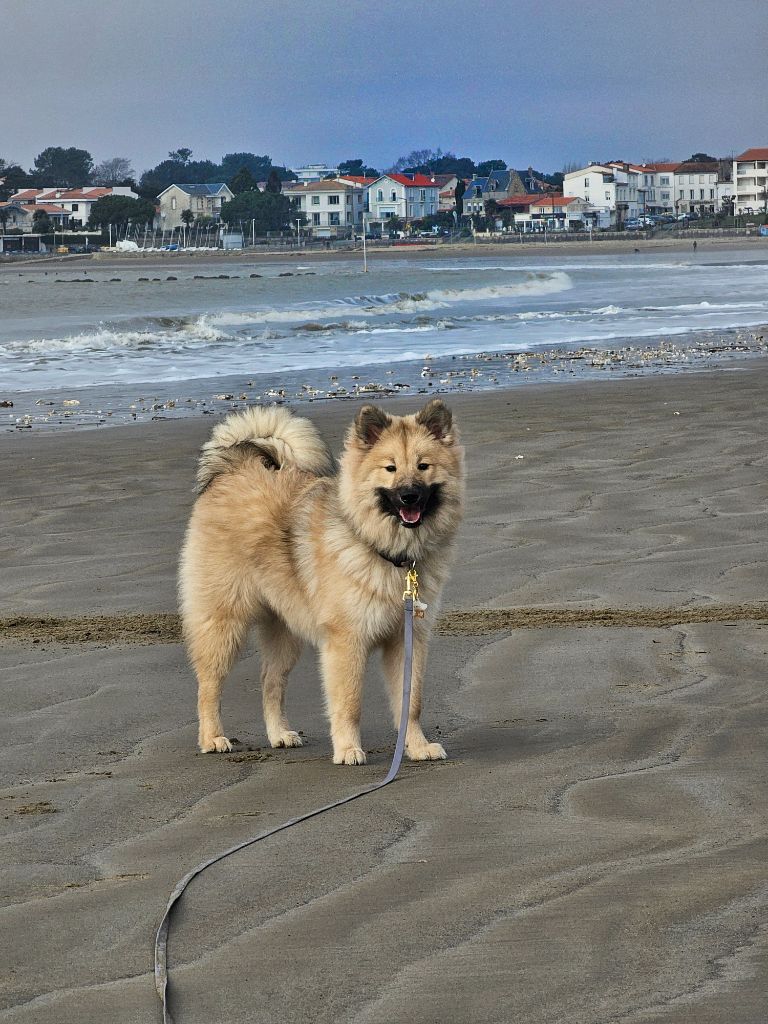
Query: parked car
point(373, 236)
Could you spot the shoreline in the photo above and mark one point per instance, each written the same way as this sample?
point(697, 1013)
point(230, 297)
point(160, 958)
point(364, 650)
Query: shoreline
point(443, 250)
point(113, 405)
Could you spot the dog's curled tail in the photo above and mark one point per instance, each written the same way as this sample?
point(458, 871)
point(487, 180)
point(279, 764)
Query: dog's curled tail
point(272, 435)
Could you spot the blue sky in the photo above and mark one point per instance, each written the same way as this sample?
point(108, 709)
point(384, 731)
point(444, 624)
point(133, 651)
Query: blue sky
point(323, 80)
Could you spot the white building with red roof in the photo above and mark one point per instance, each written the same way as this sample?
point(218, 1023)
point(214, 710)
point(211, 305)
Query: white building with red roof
point(333, 208)
point(75, 202)
point(750, 182)
point(405, 196)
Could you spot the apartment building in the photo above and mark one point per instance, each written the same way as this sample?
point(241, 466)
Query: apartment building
point(333, 209)
point(749, 187)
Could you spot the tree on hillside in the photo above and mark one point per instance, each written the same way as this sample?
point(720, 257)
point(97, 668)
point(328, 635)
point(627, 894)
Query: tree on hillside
point(273, 183)
point(57, 166)
point(358, 169)
point(41, 222)
point(176, 172)
point(701, 158)
point(13, 177)
point(259, 166)
point(113, 172)
point(180, 156)
point(461, 188)
point(485, 168)
point(435, 161)
point(271, 211)
point(120, 210)
point(243, 181)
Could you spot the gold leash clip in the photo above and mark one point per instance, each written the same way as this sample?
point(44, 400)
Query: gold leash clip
point(412, 591)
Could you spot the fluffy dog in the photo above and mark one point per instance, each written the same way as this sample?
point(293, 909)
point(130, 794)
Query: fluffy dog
point(281, 541)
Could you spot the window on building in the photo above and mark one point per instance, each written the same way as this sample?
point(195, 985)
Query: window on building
point(586, 183)
point(701, 179)
point(664, 180)
point(393, 196)
point(692, 191)
point(315, 218)
point(75, 207)
point(608, 195)
point(173, 202)
point(380, 196)
point(701, 193)
point(711, 193)
point(423, 195)
point(333, 218)
point(315, 200)
point(333, 200)
point(664, 195)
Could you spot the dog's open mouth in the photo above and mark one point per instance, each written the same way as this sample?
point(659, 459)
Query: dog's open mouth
point(410, 516)
point(412, 507)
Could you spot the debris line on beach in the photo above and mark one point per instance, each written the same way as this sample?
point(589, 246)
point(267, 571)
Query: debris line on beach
point(165, 627)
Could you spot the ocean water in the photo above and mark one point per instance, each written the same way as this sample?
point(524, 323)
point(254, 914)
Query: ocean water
point(78, 326)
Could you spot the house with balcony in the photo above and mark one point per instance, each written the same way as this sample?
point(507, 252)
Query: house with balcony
point(76, 202)
point(202, 200)
point(696, 187)
point(16, 216)
point(333, 208)
point(658, 190)
point(749, 186)
point(314, 172)
point(613, 189)
point(407, 197)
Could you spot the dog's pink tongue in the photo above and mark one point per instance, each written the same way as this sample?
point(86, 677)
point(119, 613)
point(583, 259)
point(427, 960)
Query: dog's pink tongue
point(410, 515)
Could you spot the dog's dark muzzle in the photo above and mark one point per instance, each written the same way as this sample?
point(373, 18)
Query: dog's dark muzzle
point(410, 503)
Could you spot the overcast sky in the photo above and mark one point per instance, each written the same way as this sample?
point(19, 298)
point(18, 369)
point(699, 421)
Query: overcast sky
point(325, 80)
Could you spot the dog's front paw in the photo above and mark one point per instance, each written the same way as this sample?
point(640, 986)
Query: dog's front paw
point(427, 752)
point(219, 744)
point(289, 738)
point(352, 755)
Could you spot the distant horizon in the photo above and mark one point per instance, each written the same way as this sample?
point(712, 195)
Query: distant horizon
point(541, 88)
point(518, 166)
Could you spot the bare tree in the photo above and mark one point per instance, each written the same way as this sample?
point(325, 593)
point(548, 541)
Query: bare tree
point(113, 172)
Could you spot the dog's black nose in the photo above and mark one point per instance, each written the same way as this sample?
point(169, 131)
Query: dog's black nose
point(409, 497)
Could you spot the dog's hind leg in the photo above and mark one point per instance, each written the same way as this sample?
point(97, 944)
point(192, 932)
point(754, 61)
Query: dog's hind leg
point(417, 746)
point(213, 645)
point(279, 650)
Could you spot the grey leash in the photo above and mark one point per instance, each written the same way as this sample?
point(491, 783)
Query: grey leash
point(161, 939)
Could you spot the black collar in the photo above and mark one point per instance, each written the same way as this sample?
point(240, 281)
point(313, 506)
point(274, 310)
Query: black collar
point(399, 561)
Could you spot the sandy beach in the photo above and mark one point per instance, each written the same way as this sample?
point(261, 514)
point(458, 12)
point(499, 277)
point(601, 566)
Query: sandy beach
point(593, 851)
point(662, 243)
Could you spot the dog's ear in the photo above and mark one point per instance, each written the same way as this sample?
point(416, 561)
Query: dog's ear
point(370, 423)
point(437, 418)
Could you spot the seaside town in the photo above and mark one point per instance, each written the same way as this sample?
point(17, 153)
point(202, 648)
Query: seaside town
point(67, 204)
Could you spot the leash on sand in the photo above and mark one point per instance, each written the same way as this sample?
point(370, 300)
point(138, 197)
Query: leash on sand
point(413, 608)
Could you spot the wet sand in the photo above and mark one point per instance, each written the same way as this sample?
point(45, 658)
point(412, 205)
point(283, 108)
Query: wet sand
point(594, 850)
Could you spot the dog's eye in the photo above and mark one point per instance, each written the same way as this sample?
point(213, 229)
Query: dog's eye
point(422, 466)
point(390, 469)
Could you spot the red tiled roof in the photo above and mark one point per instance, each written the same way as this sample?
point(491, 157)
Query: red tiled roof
point(326, 185)
point(45, 207)
point(70, 194)
point(357, 179)
point(24, 194)
point(417, 181)
point(753, 154)
point(554, 200)
point(661, 167)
